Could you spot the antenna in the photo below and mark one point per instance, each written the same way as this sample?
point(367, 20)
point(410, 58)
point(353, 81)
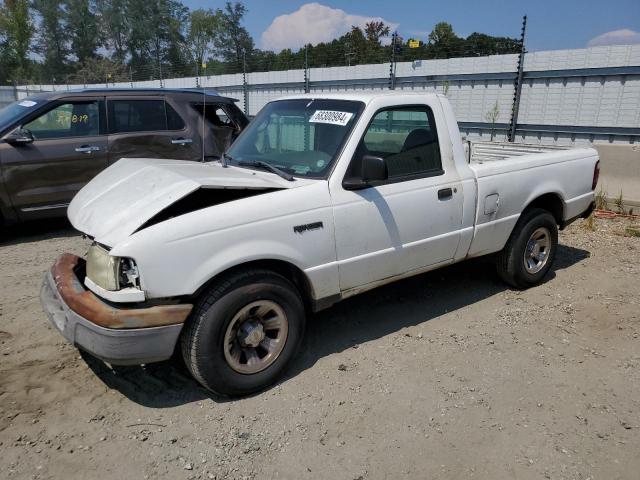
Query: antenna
point(204, 107)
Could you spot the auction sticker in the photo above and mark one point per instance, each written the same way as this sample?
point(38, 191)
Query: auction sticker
point(331, 117)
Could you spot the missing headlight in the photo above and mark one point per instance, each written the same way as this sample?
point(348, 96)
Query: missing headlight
point(129, 276)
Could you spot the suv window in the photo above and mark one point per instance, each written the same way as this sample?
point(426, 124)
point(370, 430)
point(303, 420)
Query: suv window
point(406, 138)
point(215, 114)
point(174, 121)
point(143, 116)
point(71, 119)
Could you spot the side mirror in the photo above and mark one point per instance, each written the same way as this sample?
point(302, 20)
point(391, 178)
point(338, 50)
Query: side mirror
point(19, 136)
point(374, 169)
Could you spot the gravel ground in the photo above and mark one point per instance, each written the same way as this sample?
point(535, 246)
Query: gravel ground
point(445, 375)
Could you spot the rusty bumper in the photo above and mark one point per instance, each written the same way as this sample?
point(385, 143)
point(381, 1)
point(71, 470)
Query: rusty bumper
point(122, 336)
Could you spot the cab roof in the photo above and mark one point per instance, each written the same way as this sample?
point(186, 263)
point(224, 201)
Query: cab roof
point(365, 97)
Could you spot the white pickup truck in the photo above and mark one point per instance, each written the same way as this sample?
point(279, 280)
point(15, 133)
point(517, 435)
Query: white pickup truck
point(320, 198)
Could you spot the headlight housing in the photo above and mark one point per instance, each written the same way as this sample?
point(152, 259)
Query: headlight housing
point(109, 272)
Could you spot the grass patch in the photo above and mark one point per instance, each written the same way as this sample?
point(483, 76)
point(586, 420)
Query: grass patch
point(601, 200)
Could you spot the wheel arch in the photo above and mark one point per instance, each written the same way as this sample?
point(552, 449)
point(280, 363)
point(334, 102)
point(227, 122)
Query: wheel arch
point(551, 202)
point(287, 269)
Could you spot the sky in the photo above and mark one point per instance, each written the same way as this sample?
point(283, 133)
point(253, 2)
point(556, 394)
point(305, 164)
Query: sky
point(551, 25)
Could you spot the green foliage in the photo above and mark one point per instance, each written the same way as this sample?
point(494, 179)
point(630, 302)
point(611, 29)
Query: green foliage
point(78, 41)
point(52, 42)
point(16, 31)
point(82, 28)
point(202, 30)
point(233, 41)
point(491, 116)
point(601, 200)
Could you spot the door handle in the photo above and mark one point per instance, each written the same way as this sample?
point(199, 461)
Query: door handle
point(87, 149)
point(181, 141)
point(445, 193)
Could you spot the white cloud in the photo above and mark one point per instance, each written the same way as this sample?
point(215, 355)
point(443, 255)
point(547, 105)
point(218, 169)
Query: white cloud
point(312, 23)
point(616, 37)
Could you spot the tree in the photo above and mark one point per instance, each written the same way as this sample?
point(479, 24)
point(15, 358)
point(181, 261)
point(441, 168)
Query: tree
point(203, 26)
point(233, 41)
point(52, 42)
point(99, 70)
point(444, 43)
point(82, 29)
point(115, 26)
point(481, 44)
point(374, 31)
point(156, 40)
point(16, 31)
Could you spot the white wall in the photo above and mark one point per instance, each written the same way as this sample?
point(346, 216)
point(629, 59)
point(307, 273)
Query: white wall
point(590, 100)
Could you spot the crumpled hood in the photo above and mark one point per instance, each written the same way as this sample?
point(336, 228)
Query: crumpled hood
point(123, 197)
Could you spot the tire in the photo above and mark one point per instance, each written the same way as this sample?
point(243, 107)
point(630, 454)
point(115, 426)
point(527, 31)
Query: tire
point(522, 268)
point(244, 312)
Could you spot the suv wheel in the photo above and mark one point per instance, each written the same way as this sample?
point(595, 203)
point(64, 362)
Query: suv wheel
point(243, 332)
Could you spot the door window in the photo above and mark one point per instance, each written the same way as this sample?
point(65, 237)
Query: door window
point(143, 116)
point(72, 119)
point(174, 121)
point(406, 138)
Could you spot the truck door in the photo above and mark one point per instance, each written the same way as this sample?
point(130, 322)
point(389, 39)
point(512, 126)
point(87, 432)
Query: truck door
point(149, 127)
point(69, 148)
point(408, 222)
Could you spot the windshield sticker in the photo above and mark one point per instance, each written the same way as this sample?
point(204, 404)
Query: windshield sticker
point(331, 117)
point(27, 103)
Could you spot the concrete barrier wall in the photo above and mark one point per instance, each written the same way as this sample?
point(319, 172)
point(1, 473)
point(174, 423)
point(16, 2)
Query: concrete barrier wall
point(7, 96)
point(620, 172)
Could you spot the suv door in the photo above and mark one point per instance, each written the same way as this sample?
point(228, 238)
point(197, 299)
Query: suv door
point(149, 127)
point(410, 221)
point(69, 148)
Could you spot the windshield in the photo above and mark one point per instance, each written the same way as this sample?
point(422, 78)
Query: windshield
point(301, 137)
point(16, 110)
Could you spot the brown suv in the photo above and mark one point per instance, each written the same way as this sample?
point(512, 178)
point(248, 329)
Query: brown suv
point(52, 144)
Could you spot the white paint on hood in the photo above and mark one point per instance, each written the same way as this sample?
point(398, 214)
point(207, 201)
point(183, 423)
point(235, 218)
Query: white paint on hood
point(123, 197)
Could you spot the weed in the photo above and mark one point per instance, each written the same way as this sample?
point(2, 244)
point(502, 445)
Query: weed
point(619, 203)
point(590, 223)
point(601, 200)
point(632, 232)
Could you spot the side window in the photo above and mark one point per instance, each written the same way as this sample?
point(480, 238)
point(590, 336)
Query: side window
point(174, 121)
point(137, 116)
point(223, 118)
point(72, 119)
point(406, 138)
point(215, 114)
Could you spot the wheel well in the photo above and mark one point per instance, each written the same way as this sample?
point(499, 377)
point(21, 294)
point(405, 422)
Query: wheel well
point(552, 203)
point(281, 267)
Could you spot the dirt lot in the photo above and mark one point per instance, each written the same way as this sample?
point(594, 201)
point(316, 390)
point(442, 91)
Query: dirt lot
point(446, 375)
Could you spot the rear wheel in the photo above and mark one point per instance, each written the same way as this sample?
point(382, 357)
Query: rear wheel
point(530, 250)
point(243, 332)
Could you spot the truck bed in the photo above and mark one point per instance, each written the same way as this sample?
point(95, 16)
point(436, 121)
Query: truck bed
point(480, 152)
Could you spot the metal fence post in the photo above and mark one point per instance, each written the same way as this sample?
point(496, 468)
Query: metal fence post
point(511, 136)
point(392, 65)
point(245, 87)
point(306, 70)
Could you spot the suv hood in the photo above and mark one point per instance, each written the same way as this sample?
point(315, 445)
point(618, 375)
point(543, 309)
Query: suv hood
point(130, 193)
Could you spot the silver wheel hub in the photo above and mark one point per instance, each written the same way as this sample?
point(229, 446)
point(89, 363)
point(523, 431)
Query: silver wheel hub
point(536, 253)
point(250, 334)
point(255, 336)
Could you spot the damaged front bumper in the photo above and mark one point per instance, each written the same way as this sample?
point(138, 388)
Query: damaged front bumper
point(120, 336)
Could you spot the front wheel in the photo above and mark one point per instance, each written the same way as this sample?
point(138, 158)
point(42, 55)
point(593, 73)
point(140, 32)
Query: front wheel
point(530, 250)
point(243, 332)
